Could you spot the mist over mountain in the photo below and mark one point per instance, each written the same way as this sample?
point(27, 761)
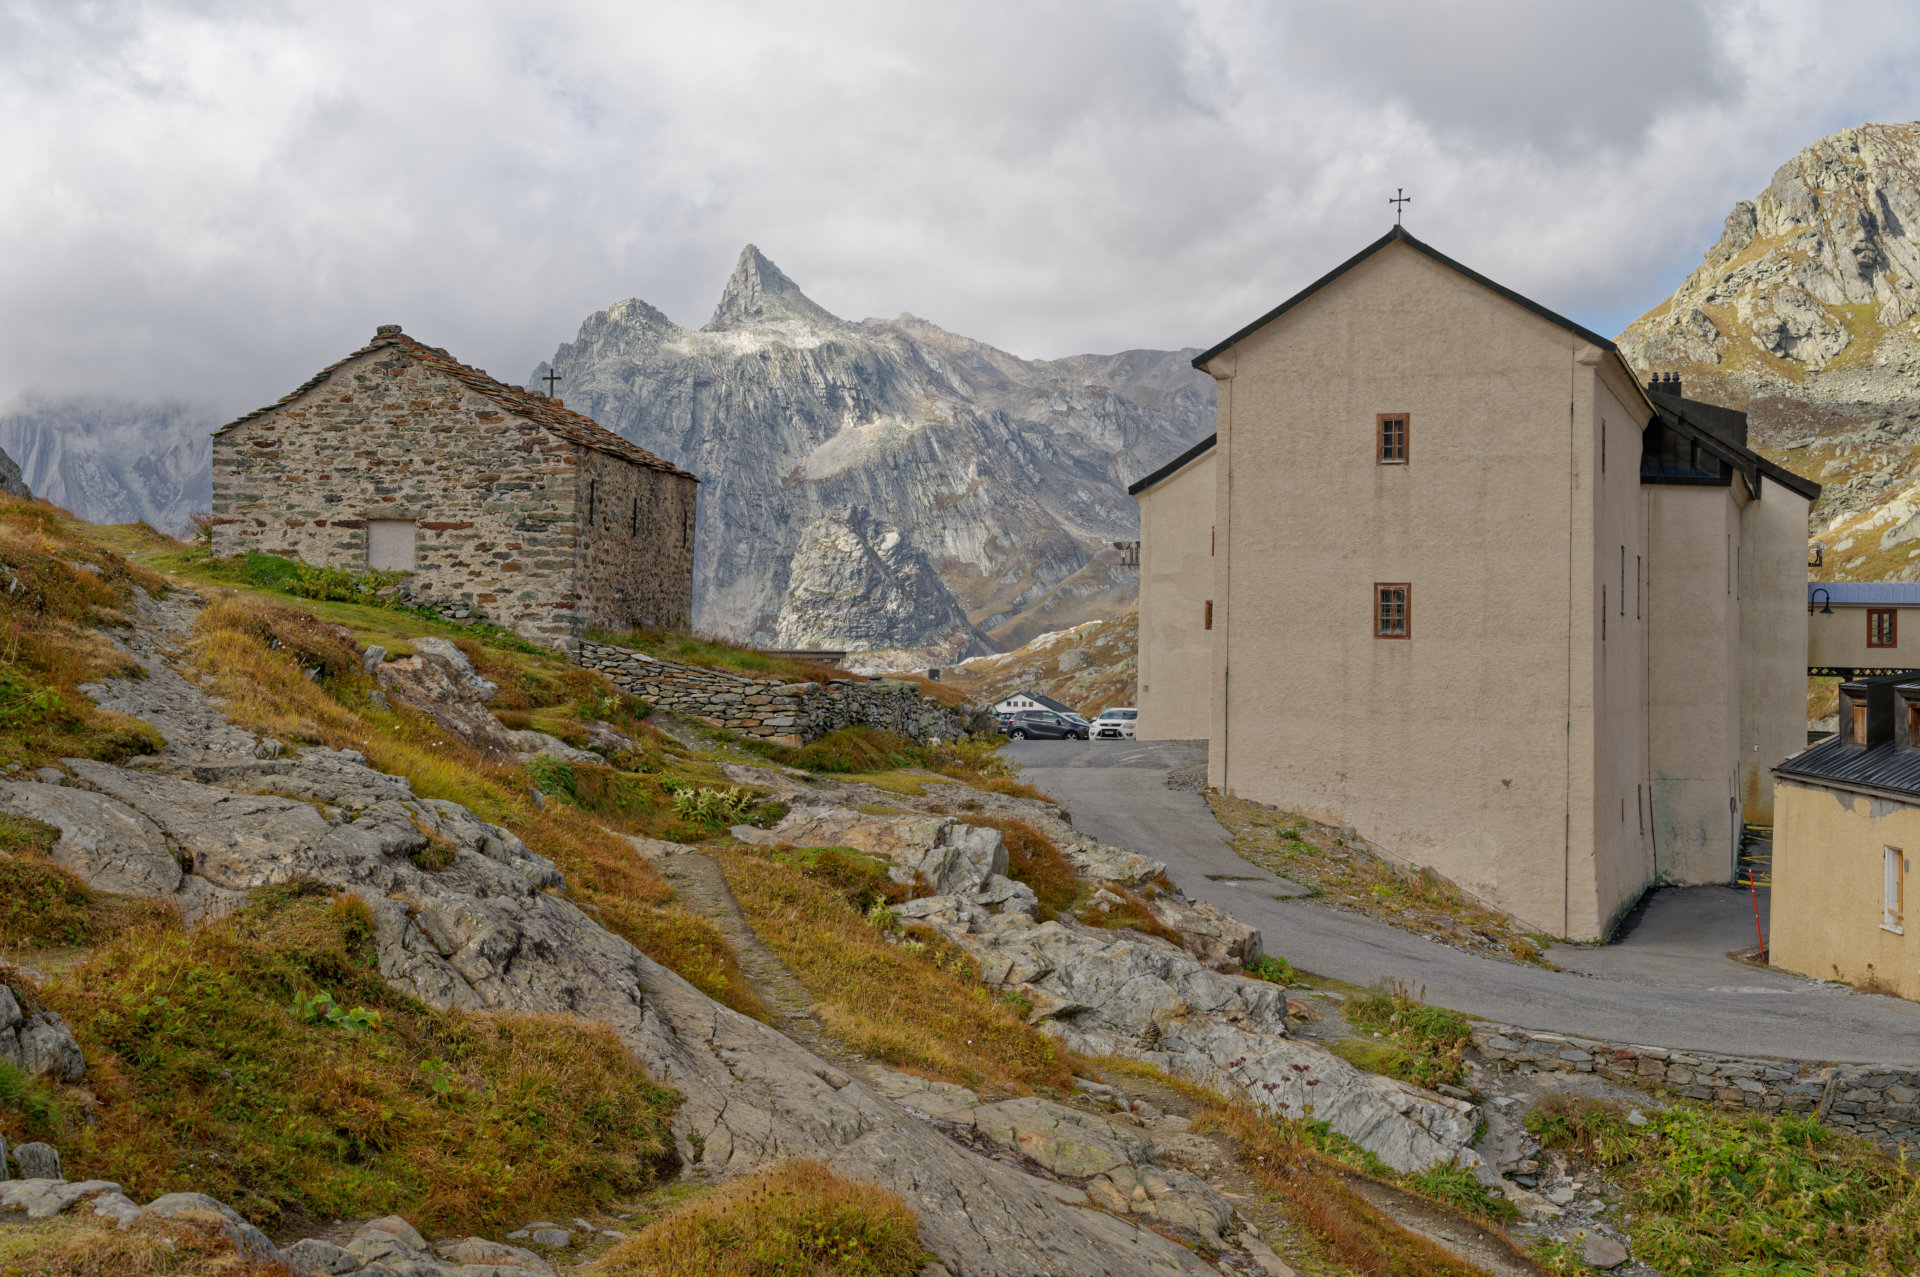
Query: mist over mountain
point(886, 485)
point(113, 460)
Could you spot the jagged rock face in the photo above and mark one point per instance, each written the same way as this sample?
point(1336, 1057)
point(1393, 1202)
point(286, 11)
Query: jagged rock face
point(112, 461)
point(885, 484)
point(1812, 290)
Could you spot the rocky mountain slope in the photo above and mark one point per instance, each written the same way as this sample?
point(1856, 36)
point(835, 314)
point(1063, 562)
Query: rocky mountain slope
point(1806, 313)
point(885, 484)
point(113, 460)
point(1090, 666)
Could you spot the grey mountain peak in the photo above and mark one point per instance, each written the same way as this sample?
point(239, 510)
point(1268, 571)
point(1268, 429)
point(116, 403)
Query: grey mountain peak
point(760, 293)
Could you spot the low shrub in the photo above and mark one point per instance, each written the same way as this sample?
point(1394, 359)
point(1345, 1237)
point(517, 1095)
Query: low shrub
point(1712, 1192)
point(1274, 969)
point(1428, 1044)
point(263, 1059)
point(45, 905)
point(798, 1219)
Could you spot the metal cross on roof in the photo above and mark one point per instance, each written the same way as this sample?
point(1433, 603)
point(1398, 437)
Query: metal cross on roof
point(1398, 198)
point(550, 377)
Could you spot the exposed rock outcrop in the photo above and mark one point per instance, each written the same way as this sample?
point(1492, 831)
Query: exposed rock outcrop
point(38, 1043)
point(968, 489)
point(490, 931)
point(440, 682)
point(1120, 993)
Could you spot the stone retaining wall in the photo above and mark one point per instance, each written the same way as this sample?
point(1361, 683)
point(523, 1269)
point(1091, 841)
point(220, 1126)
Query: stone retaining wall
point(761, 707)
point(1875, 1102)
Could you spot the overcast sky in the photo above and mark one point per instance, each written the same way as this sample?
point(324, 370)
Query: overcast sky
point(214, 200)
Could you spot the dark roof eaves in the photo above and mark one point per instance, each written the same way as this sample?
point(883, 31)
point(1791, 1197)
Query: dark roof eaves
point(1190, 455)
point(1399, 234)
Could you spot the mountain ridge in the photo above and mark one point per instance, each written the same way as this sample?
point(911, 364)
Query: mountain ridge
point(973, 493)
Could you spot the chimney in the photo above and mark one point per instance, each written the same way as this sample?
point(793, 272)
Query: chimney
point(1866, 710)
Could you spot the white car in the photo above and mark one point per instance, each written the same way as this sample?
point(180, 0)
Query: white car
point(1115, 724)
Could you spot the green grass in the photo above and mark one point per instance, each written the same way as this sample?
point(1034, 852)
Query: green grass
point(1732, 1195)
point(214, 1066)
point(1418, 1043)
point(717, 654)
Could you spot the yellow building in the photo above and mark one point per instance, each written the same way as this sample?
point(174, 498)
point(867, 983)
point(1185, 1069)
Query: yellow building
point(1846, 831)
point(1451, 575)
point(1859, 628)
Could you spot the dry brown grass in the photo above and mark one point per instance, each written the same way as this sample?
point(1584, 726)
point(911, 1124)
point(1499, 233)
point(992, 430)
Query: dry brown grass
point(917, 1005)
point(1314, 1195)
point(81, 1245)
point(798, 1219)
point(55, 589)
point(265, 689)
point(1350, 878)
point(1121, 908)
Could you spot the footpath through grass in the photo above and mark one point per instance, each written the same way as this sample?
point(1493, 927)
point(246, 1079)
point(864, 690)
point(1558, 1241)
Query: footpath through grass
point(910, 998)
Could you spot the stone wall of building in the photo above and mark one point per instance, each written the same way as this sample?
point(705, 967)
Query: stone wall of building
point(634, 565)
point(796, 712)
point(386, 437)
point(1877, 1103)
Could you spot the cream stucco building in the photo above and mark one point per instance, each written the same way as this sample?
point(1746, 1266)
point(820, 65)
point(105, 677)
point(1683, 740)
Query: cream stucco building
point(1846, 833)
point(1449, 574)
point(1862, 627)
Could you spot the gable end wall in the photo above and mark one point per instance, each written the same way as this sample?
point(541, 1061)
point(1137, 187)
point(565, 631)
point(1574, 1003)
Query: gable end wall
point(386, 437)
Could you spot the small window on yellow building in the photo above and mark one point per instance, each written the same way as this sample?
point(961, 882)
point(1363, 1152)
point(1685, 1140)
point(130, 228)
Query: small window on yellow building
point(1894, 906)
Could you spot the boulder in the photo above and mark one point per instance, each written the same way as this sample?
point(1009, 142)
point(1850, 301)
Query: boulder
point(112, 847)
point(448, 691)
point(43, 1197)
point(936, 853)
point(36, 1161)
point(480, 1250)
point(247, 1239)
point(320, 1259)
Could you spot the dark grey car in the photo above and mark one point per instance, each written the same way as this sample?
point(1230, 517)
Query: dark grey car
point(1044, 724)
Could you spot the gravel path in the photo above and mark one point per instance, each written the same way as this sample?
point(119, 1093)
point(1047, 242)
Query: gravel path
point(1668, 983)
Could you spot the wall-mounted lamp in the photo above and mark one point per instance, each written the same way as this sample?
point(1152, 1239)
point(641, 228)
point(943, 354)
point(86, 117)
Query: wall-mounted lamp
point(1824, 599)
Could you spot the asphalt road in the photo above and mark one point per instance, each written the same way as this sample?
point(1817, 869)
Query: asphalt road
point(1665, 983)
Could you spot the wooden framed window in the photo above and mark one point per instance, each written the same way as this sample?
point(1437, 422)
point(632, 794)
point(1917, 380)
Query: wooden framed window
point(1893, 902)
point(1392, 610)
point(1883, 627)
point(1393, 431)
point(1209, 624)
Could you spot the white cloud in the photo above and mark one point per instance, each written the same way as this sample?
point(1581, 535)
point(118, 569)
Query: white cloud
point(215, 200)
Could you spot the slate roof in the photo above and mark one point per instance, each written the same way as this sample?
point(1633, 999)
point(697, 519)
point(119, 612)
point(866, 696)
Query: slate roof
point(550, 413)
point(1883, 768)
point(1867, 593)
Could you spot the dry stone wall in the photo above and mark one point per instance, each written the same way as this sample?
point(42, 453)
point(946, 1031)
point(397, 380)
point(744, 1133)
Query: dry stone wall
point(762, 707)
point(1872, 1101)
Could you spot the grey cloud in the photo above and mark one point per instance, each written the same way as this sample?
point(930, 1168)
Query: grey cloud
point(212, 201)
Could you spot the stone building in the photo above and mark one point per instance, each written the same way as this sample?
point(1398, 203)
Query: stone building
point(495, 502)
point(1451, 575)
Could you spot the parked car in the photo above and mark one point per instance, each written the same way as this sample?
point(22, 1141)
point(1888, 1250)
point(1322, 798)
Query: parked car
point(1115, 724)
point(1044, 724)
